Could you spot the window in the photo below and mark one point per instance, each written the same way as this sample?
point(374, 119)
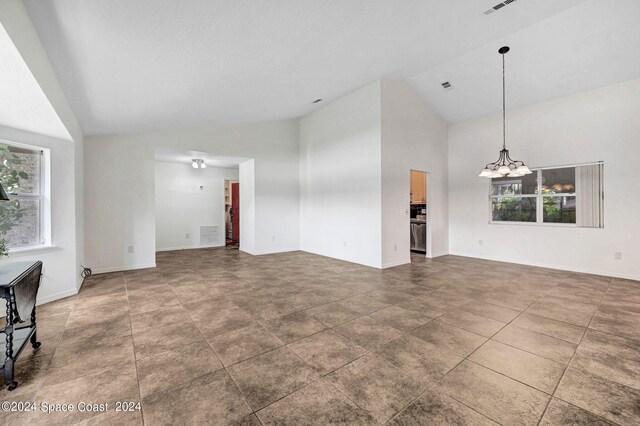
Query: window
point(560, 195)
point(514, 199)
point(21, 175)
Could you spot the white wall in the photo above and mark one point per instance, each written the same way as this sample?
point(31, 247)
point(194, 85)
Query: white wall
point(340, 178)
point(413, 137)
point(120, 189)
point(61, 275)
point(62, 262)
point(182, 207)
point(247, 177)
point(597, 125)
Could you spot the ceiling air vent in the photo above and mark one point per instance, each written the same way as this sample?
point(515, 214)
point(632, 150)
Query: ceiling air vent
point(498, 6)
point(447, 86)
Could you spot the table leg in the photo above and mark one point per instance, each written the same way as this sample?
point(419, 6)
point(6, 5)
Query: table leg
point(34, 340)
point(8, 364)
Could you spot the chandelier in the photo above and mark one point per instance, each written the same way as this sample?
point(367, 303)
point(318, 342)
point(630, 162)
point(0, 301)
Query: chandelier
point(504, 165)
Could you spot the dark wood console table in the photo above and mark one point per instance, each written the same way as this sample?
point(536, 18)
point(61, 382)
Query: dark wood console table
point(19, 283)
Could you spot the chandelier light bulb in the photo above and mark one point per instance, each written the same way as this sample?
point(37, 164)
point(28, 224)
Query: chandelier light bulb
point(486, 173)
point(504, 170)
point(194, 164)
point(524, 170)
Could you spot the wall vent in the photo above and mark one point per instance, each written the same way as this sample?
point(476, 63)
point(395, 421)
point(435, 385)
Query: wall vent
point(498, 6)
point(447, 86)
point(208, 235)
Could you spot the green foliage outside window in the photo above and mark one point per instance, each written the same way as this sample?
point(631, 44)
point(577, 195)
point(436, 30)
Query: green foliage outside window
point(514, 209)
point(10, 178)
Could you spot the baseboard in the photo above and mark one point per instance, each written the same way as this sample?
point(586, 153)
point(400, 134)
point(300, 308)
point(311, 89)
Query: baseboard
point(53, 297)
point(260, 253)
point(190, 247)
point(394, 264)
point(553, 266)
point(341, 259)
point(439, 254)
point(122, 268)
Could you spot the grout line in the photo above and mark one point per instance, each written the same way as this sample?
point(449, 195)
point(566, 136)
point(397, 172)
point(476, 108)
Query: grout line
point(216, 355)
point(466, 359)
point(133, 346)
point(447, 266)
point(574, 352)
point(64, 327)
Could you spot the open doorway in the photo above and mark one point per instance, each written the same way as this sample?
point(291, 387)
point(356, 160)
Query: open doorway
point(418, 212)
point(232, 212)
point(194, 194)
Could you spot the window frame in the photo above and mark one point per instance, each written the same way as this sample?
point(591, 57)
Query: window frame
point(43, 195)
point(539, 200)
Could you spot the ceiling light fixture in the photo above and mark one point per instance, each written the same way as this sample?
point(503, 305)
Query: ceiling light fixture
point(504, 166)
point(197, 163)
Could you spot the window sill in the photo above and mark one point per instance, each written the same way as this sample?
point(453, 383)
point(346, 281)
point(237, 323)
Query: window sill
point(551, 225)
point(29, 250)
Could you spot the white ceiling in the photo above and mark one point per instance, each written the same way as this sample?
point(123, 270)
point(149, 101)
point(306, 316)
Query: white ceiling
point(136, 65)
point(590, 45)
point(23, 104)
point(180, 156)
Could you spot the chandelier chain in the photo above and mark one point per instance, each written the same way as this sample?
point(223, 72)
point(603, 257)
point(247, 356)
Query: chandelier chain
point(504, 120)
point(505, 165)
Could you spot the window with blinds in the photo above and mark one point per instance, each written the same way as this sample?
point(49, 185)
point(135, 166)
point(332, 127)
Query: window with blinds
point(570, 195)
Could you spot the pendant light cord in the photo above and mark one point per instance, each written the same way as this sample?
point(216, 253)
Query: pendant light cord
point(504, 121)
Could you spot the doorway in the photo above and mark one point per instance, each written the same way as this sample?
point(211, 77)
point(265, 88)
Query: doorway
point(232, 212)
point(418, 212)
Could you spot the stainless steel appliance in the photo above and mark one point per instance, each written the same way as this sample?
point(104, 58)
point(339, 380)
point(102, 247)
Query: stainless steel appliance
point(418, 236)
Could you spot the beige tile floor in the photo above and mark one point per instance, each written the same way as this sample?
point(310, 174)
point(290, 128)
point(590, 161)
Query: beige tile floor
point(220, 337)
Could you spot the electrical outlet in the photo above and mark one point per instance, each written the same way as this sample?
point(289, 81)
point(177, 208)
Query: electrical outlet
point(344, 243)
point(395, 247)
point(617, 255)
point(130, 249)
point(273, 238)
point(186, 235)
point(480, 242)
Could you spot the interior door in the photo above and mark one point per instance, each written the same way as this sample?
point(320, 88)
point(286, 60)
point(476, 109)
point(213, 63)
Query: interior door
point(235, 216)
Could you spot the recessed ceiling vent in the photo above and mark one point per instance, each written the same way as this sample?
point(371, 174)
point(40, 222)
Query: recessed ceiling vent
point(498, 6)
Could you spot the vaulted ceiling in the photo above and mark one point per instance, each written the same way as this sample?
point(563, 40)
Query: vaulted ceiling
point(136, 65)
point(23, 104)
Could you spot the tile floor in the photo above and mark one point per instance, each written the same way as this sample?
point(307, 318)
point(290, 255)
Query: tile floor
point(220, 337)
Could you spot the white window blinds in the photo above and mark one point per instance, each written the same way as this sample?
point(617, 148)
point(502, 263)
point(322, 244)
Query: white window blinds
point(589, 196)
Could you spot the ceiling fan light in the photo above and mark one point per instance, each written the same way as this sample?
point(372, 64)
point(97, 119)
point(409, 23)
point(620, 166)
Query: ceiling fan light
point(203, 166)
point(194, 165)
